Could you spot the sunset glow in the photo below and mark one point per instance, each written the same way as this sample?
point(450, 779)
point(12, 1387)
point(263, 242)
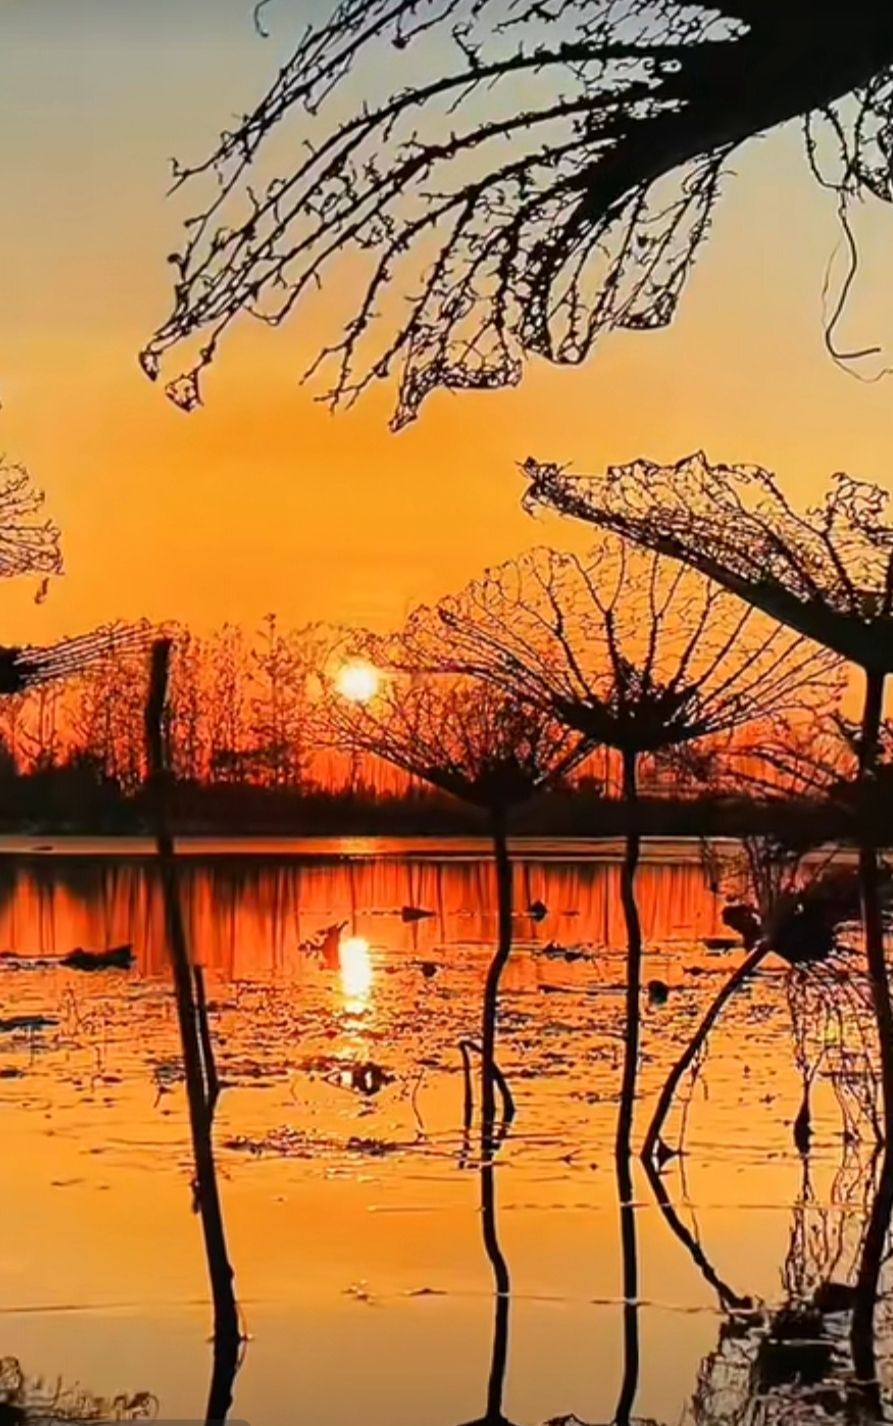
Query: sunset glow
point(356, 971)
point(358, 682)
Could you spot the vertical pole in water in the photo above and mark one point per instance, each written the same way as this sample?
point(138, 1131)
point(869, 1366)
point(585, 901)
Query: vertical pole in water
point(862, 1328)
point(633, 972)
point(201, 1079)
point(494, 972)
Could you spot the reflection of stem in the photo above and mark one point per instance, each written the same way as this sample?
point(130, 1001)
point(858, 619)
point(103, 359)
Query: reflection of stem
point(501, 1287)
point(633, 963)
point(208, 1062)
point(695, 1044)
point(494, 973)
point(728, 1298)
point(198, 1060)
point(630, 1383)
point(862, 1325)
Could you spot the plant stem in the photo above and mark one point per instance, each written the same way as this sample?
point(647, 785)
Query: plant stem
point(494, 973)
point(226, 1319)
point(633, 968)
point(695, 1044)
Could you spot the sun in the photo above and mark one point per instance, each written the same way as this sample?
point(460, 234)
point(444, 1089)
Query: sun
point(358, 682)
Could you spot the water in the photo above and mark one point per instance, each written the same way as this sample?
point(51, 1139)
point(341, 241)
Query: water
point(354, 1218)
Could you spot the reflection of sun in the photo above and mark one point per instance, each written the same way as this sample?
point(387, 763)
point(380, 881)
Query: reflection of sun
point(358, 682)
point(355, 964)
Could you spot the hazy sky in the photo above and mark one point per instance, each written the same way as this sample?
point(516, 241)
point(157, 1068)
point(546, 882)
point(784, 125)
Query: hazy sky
point(263, 501)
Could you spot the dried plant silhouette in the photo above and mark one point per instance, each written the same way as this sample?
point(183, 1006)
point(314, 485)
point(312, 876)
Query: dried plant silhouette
point(801, 912)
point(202, 1083)
point(26, 1401)
point(29, 545)
point(524, 177)
point(468, 738)
point(826, 572)
point(633, 653)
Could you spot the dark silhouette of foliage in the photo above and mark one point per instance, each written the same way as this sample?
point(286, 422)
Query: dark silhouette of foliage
point(531, 176)
point(34, 1402)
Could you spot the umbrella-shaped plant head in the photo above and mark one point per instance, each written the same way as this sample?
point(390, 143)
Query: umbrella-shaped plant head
point(826, 571)
point(471, 739)
point(631, 651)
point(626, 647)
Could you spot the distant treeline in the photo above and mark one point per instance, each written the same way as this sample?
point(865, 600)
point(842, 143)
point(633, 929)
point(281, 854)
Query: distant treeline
point(78, 797)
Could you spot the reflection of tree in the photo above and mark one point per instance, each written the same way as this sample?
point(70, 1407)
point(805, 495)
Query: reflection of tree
point(632, 653)
point(202, 1084)
point(528, 177)
point(791, 1363)
point(28, 1402)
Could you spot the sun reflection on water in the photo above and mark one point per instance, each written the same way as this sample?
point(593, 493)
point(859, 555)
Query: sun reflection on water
point(355, 965)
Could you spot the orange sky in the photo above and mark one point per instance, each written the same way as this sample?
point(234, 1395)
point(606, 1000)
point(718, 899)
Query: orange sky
point(264, 501)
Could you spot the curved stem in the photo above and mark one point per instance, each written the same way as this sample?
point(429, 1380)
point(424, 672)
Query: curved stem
point(633, 965)
point(695, 1044)
point(727, 1296)
point(494, 973)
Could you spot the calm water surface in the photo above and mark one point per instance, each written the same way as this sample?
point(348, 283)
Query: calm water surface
point(354, 1218)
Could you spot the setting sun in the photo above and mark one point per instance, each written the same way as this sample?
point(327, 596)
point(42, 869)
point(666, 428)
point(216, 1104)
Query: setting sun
point(358, 682)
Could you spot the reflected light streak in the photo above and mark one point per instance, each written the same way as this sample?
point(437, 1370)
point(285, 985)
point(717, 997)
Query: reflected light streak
point(355, 965)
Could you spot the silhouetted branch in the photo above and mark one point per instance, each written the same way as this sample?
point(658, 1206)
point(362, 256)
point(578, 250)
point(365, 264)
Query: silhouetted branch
point(529, 176)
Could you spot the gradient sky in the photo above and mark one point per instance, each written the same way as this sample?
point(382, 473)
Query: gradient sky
point(263, 500)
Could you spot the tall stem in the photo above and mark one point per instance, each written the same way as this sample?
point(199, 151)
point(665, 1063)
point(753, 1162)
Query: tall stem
point(494, 972)
point(870, 889)
point(226, 1321)
point(862, 1327)
point(633, 972)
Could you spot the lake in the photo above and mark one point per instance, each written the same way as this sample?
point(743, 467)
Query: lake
point(365, 1268)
